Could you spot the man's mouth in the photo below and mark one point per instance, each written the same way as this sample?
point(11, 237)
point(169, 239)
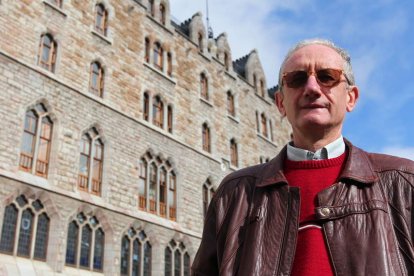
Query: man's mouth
point(314, 106)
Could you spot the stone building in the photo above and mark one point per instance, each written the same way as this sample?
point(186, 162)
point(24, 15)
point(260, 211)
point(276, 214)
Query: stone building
point(117, 125)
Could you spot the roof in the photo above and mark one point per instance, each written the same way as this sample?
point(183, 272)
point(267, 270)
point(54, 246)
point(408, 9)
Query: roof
point(240, 65)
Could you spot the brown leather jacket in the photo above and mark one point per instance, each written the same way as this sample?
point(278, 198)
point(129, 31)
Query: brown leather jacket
point(367, 219)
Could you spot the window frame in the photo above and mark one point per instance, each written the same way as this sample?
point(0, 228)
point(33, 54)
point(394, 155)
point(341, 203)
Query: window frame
point(158, 56)
point(234, 156)
point(101, 19)
point(158, 112)
point(49, 63)
point(176, 247)
point(263, 124)
point(99, 73)
point(136, 236)
point(204, 87)
point(206, 138)
point(154, 167)
point(38, 166)
point(21, 204)
point(163, 14)
point(208, 192)
point(83, 222)
point(231, 110)
point(88, 182)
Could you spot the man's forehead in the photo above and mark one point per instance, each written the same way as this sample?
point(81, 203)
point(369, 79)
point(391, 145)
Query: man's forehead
point(314, 56)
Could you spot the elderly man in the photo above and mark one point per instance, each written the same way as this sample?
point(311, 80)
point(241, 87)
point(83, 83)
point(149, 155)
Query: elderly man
point(322, 206)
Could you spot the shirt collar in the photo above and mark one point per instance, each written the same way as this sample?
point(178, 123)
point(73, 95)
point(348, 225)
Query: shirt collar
point(332, 150)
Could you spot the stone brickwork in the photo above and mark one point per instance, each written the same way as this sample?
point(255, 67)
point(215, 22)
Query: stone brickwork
point(118, 116)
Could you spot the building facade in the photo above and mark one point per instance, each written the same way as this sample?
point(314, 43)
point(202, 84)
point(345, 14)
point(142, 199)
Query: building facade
point(117, 126)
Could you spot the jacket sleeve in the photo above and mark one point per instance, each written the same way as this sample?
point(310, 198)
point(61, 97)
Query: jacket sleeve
point(206, 259)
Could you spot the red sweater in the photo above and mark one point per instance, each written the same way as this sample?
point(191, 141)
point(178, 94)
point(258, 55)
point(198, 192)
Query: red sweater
point(312, 257)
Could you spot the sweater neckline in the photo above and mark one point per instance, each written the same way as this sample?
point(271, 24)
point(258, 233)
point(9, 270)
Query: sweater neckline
point(315, 164)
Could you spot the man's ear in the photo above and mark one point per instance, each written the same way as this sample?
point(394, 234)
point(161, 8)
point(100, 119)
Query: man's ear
point(279, 102)
point(352, 98)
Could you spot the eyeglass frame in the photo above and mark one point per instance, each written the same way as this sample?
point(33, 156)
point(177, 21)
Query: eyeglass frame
point(314, 73)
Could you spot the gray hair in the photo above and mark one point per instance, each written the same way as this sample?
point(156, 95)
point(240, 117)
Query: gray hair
point(347, 59)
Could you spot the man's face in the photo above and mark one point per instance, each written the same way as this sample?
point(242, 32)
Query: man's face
point(312, 106)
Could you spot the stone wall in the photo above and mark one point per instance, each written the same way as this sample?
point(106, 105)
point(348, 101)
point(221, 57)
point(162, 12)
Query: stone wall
point(118, 116)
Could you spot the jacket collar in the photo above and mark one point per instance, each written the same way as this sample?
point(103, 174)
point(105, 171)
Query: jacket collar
point(357, 167)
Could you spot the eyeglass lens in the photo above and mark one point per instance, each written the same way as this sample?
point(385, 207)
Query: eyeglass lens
point(325, 77)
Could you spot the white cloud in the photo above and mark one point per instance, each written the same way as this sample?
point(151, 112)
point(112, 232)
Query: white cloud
point(406, 152)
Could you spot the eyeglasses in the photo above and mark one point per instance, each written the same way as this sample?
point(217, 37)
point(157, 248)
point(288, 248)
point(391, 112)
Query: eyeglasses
point(327, 77)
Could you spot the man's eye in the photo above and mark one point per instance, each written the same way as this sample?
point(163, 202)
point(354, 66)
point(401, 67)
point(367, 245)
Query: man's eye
point(299, 77)
point(326, 77)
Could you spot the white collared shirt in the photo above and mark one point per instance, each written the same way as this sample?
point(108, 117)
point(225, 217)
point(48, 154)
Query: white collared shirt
point(332, 150)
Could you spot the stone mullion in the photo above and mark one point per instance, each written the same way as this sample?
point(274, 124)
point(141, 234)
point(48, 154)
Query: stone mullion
point(147, 186)
point(91, 157)
point(131, 257)
point(167, 200)
point(157, 191)
point(164, 64)
point(150, 108)
point(79, 245)
point(36, 145)
point(182, 262)
point(17, 233)
point(33, 236)
point(92, 249)
point(141, 257)
point(164, 115)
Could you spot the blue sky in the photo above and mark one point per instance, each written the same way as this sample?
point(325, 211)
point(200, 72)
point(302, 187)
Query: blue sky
point(378, 34)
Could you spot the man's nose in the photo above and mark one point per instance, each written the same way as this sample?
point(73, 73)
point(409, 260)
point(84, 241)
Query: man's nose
point(312, 86)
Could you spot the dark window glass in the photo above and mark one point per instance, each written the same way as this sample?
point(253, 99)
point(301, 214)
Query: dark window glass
point(136, 258)
point(72, 243)
point(98, 253)
point(206, 138)
point(25, 235)
point(8, 231)
point(147, 50)
point(168, 264)
point(42, 234)
point(147, 259)
point(124, 255)
point(163, 192)
point(37, 205)
point(177, 262)
point(21, 200)
point(230, 104)
point(233, 153)
point(170, 119)
point(146, 107)
point(205, 200)
point(204, 86)
point(85, 246)
point(186, 264)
